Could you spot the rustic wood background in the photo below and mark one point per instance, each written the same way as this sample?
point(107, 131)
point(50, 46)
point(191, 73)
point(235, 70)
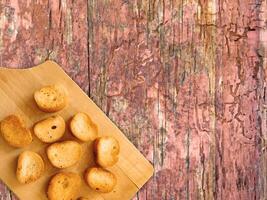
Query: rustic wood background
point(184, 80)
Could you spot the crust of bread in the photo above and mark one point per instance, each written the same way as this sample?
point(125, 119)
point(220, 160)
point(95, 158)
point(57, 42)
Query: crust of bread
point(64, 154)
point(83, 127)
point(64, 185)
point(100, 180)
point(15, 132)
point(51, 98)
point(30, 167)
point(50, 129)
point(106, 150)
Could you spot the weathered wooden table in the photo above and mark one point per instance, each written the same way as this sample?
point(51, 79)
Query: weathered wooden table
point(184, 79)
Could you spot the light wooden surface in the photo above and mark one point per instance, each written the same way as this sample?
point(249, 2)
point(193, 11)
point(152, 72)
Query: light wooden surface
point(16, 94)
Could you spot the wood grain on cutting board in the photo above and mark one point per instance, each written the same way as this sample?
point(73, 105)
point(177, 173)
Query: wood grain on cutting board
point(16, 94)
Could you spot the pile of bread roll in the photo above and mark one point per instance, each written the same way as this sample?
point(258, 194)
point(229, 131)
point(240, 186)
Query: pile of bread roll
point(30, 165)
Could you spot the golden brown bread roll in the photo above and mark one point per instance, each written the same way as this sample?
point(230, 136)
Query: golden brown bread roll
point(51, 98)
point(64, 154)
point(64, 186)
point(30, 167)
point(101, 180)
point(15, 132)
point(50, 129)
point(106, 150)
point(83, 127)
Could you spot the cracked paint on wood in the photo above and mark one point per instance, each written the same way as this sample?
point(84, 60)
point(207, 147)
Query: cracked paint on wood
point(183, 79)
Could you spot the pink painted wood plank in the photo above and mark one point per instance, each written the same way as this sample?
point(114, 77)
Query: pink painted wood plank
point(184, 80)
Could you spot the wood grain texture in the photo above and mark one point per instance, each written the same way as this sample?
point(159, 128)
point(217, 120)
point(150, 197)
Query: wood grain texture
point(184, 79)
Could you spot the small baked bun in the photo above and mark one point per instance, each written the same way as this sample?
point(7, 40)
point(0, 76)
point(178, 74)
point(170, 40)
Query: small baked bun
point(83, 128)
point(51, 98)
point(64, 154)
point(64, 186)
point(83, 198)
point(106, 150)
point(100, 180)
point(15, 132)
point(30, 167)
point(50, 129)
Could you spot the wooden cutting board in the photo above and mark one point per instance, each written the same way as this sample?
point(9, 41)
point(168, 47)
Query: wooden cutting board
point(16, 97)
